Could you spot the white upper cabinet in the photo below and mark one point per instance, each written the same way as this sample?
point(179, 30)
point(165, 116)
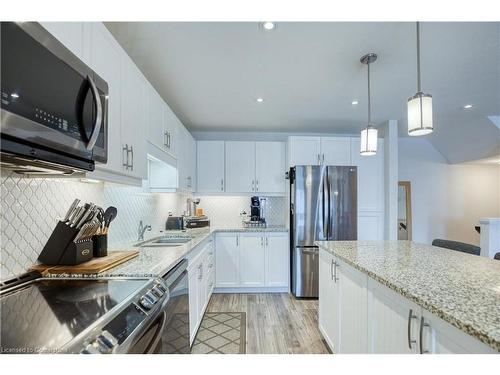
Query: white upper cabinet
point(240, 167)
point(210, 166)
point(270, 167)
point(134, 123)
point(156, 116)
point(335, 151)
point(104, 57)
point(304, 151)
point(319, 151)
point(172, 126)
point(186, 162)
point(68, 33)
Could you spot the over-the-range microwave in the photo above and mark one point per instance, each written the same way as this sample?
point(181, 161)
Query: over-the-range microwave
point(53, 106)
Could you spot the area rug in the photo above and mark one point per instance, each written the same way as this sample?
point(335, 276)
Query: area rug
point(221, 333)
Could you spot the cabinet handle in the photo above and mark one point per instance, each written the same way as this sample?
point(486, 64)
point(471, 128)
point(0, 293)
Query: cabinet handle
point(331, 269)
point(267, 241)
point(322, 158)
point(422, 325)
point(253, 185)
point(132, 153)
point(237, 241)
point(335, 265)
point(165, 140)
point(262, 241)
point(319, 160)
point(257, 185)
point(222, 184)
point(410, 317)
point(125, 159)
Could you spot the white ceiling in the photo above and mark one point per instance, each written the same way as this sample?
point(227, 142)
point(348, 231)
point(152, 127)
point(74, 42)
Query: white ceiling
point(308, 73)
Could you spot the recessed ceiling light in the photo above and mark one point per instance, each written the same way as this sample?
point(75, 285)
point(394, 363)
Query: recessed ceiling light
point(354, 102)
point(259, 100)
point(268, 25)
point(467, 106)
point(14, 95)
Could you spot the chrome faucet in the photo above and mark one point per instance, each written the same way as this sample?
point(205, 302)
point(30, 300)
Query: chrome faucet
point(142, 228)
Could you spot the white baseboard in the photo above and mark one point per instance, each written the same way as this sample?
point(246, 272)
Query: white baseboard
point(282, 289)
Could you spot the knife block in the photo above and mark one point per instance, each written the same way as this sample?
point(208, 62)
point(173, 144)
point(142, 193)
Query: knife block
point(61, 249)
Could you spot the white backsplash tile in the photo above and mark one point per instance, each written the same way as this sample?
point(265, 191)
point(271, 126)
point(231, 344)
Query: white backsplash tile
point(30, 208)
point(224, 211)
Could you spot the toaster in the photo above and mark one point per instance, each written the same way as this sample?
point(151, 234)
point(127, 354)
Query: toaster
point(174, 223)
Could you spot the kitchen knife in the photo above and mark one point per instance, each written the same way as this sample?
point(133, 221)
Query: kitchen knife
point(70, 210)
point(76, 217)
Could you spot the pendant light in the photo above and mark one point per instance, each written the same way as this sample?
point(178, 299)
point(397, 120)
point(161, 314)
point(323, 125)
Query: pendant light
point(369, 134)
point(420, 104)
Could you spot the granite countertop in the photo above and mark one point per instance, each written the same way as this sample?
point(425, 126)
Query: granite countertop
point(462, 289)
point(155, 261)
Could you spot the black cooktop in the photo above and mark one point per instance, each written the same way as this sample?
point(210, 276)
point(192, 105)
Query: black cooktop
point(45, 314)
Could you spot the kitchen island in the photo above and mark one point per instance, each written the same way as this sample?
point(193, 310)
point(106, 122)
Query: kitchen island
point(405, 297)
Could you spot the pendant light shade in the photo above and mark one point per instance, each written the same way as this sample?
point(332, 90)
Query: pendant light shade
point(419, 105)
point(369, 141)
point(368, 144)
point(420, 114)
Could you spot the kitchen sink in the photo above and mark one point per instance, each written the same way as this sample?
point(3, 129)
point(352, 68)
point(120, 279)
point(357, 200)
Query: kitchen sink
point(165, 242)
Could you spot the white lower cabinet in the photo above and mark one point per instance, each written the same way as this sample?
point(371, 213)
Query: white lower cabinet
point(328, 301)
point(359, 315)
point(251, 260)
point(201, 285)
point(394, 322)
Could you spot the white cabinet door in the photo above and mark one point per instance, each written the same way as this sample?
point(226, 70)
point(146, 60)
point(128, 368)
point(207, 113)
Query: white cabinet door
point(277, 259)
point(134, 121)
point(304, 151)
point(156, 115)
point(227, 259)
point(440, 337)
point(193, 303)
point(252, 260)
point(370, 225)
point(335, 151)
point(329, 318)
point(68, 33)
point(393, 323)
point(370, 177)
point(172, 125)
point(353, 286)
point(191, 163)
point(210, 166)
point(104, 57)
point(270, 167)
point(240, 167)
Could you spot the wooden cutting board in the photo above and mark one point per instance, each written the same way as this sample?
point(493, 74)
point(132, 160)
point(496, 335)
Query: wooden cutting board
point(93, 266)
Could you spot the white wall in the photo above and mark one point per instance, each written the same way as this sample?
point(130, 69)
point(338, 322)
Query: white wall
point(447, 200)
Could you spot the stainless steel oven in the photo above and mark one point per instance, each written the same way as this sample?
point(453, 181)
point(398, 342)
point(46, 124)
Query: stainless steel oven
point(53, 106)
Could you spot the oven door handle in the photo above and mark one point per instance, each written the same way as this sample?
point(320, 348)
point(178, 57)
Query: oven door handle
point(98, 118)
point(158, 334)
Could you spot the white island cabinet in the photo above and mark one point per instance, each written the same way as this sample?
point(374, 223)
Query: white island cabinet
point(357, 314)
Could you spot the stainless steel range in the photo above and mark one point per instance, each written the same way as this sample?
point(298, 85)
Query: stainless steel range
point(104, 315)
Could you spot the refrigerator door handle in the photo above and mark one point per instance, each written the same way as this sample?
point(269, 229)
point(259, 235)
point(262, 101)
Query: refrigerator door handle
point(328, 198)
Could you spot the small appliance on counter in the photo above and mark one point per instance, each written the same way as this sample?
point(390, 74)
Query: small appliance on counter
point(257, 213)
point(196, 222)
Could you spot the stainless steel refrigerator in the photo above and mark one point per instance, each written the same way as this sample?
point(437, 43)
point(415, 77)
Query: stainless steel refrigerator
point(323, 207)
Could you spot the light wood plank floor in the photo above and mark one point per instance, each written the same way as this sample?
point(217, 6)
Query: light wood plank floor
point(277, 323)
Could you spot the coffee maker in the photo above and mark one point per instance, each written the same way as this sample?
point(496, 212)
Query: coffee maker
point(257, 216)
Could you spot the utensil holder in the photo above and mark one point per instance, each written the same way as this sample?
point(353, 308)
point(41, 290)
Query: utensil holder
point(61, 249)
point(100, 245)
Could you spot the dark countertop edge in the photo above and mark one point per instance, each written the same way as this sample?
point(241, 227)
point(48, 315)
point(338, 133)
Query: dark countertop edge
point(464, 327)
